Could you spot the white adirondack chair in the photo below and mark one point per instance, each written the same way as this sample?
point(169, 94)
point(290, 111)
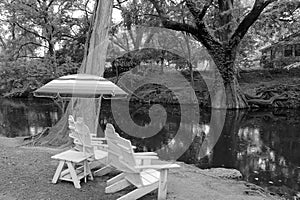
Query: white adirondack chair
point(141, 157)
point(145, 177)
point(87, 143)
point(73, 134)
point(96, 141)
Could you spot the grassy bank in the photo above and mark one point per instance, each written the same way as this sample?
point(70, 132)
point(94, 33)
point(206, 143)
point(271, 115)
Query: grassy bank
point(26, 173)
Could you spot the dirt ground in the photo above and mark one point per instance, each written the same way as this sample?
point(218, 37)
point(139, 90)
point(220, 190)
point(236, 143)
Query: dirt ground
point(26, 173)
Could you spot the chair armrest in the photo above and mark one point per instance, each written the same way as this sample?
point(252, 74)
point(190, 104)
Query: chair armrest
point(98, 139)
point(96, 143)
point(103, 147)
point(145, 153)
point(93, 134)
point(158, 167)
point(145, 157)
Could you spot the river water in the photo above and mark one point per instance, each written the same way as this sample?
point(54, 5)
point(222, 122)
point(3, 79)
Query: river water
point(264, 145)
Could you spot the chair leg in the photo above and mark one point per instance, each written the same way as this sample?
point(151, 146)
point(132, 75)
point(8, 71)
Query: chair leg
point(103, 171)
point(58, 171)
point(137, 193)
point(84, 171)
point(115, 179)
point(89, 171)
point(73, 175)
point(162, 185)
point(120, 185)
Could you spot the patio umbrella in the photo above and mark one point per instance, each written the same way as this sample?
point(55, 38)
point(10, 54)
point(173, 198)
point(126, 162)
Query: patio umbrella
point(80, 85)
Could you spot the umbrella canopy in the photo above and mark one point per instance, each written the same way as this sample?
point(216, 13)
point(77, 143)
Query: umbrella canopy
point(79, 85)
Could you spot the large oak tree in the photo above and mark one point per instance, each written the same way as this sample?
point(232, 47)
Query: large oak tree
point(216, 25)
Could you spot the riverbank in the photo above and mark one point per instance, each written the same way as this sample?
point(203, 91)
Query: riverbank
point(263, 88)
point(270, 88)
point(26, 173)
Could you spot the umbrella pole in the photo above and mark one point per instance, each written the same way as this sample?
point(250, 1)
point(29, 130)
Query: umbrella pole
point(60, 103)
point(72, 108)
point(98, 109)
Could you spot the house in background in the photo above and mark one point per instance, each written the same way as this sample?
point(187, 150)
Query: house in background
point(285, 52)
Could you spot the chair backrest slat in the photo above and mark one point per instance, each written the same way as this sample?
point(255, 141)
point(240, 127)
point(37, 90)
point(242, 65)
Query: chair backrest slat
point(74, 134)
point(84, 136)
point(120, 151)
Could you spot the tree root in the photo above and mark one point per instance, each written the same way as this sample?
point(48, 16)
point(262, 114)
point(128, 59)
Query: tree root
point(33, 139)
point(275, 96)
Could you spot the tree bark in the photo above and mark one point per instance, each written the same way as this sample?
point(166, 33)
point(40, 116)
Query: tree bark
point(94, 62)
point(224, 58)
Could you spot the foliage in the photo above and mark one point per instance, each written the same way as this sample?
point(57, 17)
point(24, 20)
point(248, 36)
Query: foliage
point(19, 78)
point(35, 28)
point(73, 50)
point(222, 20)
point(223, 27)
point(40, 40)
point(277, 22)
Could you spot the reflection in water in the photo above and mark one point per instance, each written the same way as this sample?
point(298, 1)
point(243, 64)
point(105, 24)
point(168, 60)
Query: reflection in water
point(263, 145)
point(268, 157)
point(22, 117)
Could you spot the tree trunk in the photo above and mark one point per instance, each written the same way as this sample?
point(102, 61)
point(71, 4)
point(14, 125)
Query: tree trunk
point(235, 98)
point(231, 92)
point(190, 60)
point(51, 50)
point(93, 63)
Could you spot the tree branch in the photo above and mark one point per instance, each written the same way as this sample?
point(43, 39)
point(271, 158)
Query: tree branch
point(50, 4)
point(119, 43)
point(29, 31)
point(39, 57)
point(200, 32)
point(197, 13)
point(248, 21)
point(3, 42)
point(167, 23)
point(25, 44)
point(30, 6)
